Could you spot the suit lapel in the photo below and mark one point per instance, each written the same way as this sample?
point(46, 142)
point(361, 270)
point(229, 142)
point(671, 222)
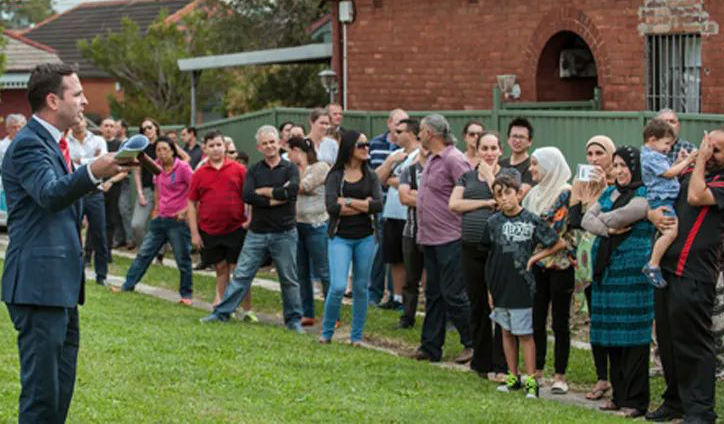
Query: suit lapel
point(49, 142)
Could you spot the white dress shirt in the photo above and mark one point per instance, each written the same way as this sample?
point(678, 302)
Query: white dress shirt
point(57, 135)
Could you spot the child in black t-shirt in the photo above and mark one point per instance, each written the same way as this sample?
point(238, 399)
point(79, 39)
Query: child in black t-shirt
point(511, 236)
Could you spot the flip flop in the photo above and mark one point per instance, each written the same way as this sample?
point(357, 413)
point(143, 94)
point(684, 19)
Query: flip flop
point(609, 406)
point(597, 394)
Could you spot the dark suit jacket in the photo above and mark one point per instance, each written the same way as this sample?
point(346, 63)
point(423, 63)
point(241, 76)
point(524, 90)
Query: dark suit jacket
point(44, 260)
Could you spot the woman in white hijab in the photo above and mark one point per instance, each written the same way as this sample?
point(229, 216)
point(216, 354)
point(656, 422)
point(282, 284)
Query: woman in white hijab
point(554, 275)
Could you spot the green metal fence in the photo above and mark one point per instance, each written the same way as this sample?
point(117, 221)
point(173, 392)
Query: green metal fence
point(566, 129)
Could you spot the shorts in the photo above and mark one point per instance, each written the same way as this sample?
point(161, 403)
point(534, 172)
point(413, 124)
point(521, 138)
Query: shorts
point(222, 247)
point(669, 203)
point(519, 322)
point(392, 241)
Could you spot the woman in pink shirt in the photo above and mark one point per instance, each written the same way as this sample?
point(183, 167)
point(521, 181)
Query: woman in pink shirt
point(168, 223)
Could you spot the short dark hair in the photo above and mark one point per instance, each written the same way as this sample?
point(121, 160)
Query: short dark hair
point(413, 125)
point(212, 134)
point(191, 130)
point(658, 128)
point(242, 156)
point(171, 144)
point(124, 124)
point(47, 78)
point(284, 124)
point(506, 180)
point(305, 145)
point(521, 122)
point(472, 122)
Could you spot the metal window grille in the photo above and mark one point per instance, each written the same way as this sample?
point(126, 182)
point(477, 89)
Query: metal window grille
point(674, 72)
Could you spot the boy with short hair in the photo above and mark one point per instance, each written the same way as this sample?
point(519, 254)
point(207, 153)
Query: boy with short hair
point(662, 187)
point(511, 236)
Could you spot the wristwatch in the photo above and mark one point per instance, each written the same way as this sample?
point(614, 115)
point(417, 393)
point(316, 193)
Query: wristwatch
point(347, 201)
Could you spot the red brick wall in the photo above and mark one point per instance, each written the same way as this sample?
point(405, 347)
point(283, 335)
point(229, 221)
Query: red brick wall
point(445, 54)
point(96, 90)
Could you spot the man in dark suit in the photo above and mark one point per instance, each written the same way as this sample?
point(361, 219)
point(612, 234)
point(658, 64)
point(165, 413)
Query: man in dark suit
point(43, 279)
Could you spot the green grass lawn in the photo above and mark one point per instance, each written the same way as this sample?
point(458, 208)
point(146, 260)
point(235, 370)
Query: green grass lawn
point(145, 360)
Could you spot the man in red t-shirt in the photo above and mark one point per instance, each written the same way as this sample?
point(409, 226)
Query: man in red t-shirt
point(216, 210)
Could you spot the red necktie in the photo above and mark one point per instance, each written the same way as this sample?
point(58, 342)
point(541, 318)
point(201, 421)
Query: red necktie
point(66, 153)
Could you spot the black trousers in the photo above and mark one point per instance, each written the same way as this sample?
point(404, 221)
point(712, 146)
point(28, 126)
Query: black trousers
point(414, 261)
point(48, 339)
point(445, 298)
point(553, 288)
point(487, 348)
point(686, 345)
point(114, 223)
point(600, 356)
point(630, 376)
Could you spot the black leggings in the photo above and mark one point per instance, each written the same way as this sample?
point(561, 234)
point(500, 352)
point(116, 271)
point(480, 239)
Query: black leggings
point(600, 357)
point(487, 347)
point(553, 287)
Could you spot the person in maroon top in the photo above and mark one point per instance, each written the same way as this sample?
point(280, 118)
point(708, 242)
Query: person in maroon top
point(216, 210)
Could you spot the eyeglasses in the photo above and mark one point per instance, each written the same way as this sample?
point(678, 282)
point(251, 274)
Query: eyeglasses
point(148, 127)
point(519, 137)
point(363, 145)
point(474, 134)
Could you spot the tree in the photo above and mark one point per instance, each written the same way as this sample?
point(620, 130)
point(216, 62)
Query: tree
point(145, 65)
point(23, 13)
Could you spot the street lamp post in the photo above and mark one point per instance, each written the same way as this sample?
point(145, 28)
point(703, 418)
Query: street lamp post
point(329, 82)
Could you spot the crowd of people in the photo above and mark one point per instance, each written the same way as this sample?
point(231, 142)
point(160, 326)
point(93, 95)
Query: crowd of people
point(497, 243)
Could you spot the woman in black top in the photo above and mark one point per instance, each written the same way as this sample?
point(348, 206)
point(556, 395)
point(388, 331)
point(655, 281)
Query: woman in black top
point(353, 196)
point(473, 198)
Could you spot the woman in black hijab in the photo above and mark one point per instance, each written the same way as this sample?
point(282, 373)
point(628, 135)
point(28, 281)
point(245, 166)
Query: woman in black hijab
point(622, 303)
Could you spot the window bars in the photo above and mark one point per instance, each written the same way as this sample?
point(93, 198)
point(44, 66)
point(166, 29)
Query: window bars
point(673, 72)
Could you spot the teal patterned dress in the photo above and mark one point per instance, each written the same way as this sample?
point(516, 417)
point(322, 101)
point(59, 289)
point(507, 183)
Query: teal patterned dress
point(622, 302)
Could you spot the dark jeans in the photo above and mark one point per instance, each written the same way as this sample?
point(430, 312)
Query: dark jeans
point(488, 349)
point(686, 345)
point(48, 340)
point(114, 224)
point(160, 231)
point(414, 261)
point(600, 357)
point(379, 272)
point(94, 208)
point(630, 376)
point(553, 287)
point(311, 259)
point(445, 298)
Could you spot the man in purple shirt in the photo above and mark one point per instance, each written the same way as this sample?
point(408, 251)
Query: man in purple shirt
point(439, 232)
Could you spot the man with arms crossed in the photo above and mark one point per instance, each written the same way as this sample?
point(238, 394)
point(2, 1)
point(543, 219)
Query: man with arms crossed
point(43, 279)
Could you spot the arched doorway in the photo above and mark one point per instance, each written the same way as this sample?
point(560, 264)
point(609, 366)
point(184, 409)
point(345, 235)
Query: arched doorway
point(566, 69)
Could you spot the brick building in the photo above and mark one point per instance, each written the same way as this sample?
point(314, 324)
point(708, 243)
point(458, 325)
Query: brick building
point(446, 54)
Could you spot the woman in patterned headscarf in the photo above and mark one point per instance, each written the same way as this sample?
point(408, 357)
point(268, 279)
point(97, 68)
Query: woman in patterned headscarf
point(622, 303)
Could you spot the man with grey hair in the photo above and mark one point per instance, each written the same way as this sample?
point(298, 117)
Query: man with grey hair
point(13, 123)
point(439, 234)
point(271, 189)
point(680, 144)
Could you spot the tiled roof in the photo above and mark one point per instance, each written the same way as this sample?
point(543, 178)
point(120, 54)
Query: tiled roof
point(62, 31)
point(22, 54)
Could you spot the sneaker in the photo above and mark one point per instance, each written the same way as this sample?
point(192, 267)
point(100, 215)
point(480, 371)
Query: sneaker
point(212, 318)
point(512, 383)
point(654, 276)
point(391, 304)
point(250, 316)
point(531, 388)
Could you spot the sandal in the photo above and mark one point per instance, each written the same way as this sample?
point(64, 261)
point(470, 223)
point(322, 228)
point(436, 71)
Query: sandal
point(609, 406)
point(654, 275)
point(631, 412)
point(598, 392)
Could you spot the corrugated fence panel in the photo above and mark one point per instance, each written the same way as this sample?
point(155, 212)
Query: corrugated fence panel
point(242, 129)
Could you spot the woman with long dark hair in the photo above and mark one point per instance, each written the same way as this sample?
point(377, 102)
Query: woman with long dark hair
point(353, 197)
point(622, 300)
point(311, 223)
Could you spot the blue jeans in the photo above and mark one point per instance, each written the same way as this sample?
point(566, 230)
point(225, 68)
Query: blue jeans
point(311, 260)
point(342, 253)
point(161, 231)
point(94, 207)
point(282, 247)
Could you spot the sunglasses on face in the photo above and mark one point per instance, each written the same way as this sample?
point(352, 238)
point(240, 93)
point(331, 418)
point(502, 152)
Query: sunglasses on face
point(474, 134)
point(363, 145)
point(231, 152)
point(148, 127)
